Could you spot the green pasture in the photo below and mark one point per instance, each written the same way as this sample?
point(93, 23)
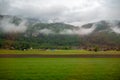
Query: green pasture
point(59, 68)
point(37, 51)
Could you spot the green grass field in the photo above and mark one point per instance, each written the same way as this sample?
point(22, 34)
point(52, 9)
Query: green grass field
point(36, 51)
point(59, 68)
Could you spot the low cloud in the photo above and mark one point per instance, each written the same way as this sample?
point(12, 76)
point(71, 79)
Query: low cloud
point(75, 31)
point(115, 26)
point(7, 26)
point(116, 29)
point(46, 31)
point(80, 31)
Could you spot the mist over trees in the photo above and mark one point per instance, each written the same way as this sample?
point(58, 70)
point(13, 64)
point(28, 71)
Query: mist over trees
point(37, 35)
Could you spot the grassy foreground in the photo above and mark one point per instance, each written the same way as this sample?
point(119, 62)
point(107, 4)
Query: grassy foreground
point(59, 68)
point(36, 51)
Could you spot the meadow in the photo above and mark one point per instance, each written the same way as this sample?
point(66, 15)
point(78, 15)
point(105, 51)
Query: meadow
point(55, 52)
point(59, 68)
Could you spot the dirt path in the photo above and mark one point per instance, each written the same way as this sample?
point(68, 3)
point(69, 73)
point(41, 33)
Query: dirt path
point(60, 56)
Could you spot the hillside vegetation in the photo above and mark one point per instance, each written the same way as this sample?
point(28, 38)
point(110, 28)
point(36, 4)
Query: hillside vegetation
point(28, 33)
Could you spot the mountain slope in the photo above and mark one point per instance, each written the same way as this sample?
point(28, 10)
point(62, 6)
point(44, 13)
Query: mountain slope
point(17, 33)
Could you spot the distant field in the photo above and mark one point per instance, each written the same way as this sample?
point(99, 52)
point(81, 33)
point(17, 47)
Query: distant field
point(59, 68)
point(36, 51)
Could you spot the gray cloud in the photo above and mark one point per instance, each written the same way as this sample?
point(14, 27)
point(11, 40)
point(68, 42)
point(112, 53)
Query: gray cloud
point(4, 6)
point(111, 3)
point(69, 11)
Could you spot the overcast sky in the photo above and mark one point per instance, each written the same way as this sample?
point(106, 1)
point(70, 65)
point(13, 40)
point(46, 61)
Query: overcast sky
point(75, 12)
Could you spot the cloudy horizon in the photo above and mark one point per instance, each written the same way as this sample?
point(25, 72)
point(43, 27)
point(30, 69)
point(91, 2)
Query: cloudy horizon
point(75, 12)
